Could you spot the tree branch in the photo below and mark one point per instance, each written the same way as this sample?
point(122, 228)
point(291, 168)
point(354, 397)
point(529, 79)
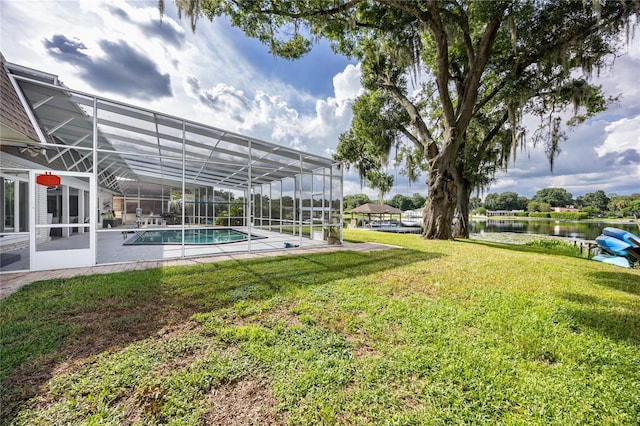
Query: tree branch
point(532, 57)
point(494, 131)
point(411, 137)
point(463, 22)
point(472, 82)
point(409, 6)
point(487, 98)
point(414, 115)
point(442, 50)
point(318, 12)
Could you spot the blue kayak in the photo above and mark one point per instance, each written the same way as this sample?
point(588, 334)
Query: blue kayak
point(613, 260)
point(613, 245)
point(627, 237)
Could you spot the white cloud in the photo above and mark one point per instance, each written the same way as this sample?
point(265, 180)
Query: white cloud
point(270, 117)
point(622, 135)
point(633, 50)
point(503, 183)
point(347, 84)
point(353, 185)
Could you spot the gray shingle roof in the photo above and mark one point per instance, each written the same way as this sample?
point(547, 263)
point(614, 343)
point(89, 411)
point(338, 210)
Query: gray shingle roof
point(12, 113)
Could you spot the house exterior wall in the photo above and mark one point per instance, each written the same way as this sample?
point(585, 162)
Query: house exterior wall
point(10, 162)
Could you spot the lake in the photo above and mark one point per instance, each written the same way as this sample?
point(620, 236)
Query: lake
point(560, 228)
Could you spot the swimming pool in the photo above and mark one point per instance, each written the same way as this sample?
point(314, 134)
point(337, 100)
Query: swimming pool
point(204, 236)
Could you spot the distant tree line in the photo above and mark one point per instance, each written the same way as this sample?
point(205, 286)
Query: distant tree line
point(595, 203)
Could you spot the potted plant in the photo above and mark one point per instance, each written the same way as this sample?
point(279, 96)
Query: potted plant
point(108, 219)
point(332, 234)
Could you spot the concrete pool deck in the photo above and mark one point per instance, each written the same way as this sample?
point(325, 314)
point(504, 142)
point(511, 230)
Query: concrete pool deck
point(110, 247)
point(11, 282)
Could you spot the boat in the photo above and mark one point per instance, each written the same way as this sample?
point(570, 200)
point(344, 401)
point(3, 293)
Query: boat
point(613, 245)
point(411, 218)
point(613, 260)
point(625, 236)
point(619, 247)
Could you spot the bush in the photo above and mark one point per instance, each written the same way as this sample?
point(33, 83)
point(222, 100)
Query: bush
point(591, 211)
point(537, 206)
point(521, 214)
point(632, 209)
point(569, 215)
point(556, 246)
point(539, 214)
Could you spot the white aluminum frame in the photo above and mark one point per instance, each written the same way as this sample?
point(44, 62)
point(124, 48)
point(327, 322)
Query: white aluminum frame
point(133, 147)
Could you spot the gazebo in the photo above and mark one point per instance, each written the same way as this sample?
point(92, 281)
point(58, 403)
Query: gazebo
point(380, 210)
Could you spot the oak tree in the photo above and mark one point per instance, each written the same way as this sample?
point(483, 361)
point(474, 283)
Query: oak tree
point(454, 77)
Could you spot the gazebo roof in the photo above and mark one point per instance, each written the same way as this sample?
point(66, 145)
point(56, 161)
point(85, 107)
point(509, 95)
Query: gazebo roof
point(371, 208)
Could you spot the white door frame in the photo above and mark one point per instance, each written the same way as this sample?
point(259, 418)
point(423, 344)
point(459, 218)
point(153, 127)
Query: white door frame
point(63, 258)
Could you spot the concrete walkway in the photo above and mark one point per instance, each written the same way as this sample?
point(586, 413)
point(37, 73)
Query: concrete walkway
point(11, 282)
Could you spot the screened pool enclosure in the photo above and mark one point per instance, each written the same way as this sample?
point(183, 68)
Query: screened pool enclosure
point(124, 171)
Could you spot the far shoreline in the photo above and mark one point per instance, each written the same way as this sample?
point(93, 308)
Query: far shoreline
point(534, 219)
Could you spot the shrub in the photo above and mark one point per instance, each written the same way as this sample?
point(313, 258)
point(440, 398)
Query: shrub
point(539, 214)
point(569, 215)
point(591, 211)
point(556, 246)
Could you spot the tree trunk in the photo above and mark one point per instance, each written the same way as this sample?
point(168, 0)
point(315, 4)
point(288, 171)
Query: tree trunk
point(461, 228)
point(442, 198)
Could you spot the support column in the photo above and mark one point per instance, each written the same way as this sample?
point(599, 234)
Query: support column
point(270, 205)
point(2, 206)
point(260, 206)
point(295, 203)
point(249, 199)
point(341, 198)
point(81, 211)
point(93, 190)
point(229, 208)
point(281, 203)
point(213, 204)
point(206, 206)
point(301, 203)
point(184, 204)
point(199, 216)
point(16, 205)
point(66, 232)
point(311, 208)
point(325, 219)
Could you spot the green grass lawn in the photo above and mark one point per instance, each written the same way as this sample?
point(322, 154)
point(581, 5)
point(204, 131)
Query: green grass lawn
point(435, 332)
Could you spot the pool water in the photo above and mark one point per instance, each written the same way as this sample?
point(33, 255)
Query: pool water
point(191, 236)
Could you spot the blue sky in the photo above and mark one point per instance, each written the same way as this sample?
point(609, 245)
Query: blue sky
point(218, 76)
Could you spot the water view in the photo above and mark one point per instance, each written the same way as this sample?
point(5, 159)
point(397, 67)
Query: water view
point(560, 228)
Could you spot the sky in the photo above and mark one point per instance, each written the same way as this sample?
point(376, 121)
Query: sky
point(218, 76)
